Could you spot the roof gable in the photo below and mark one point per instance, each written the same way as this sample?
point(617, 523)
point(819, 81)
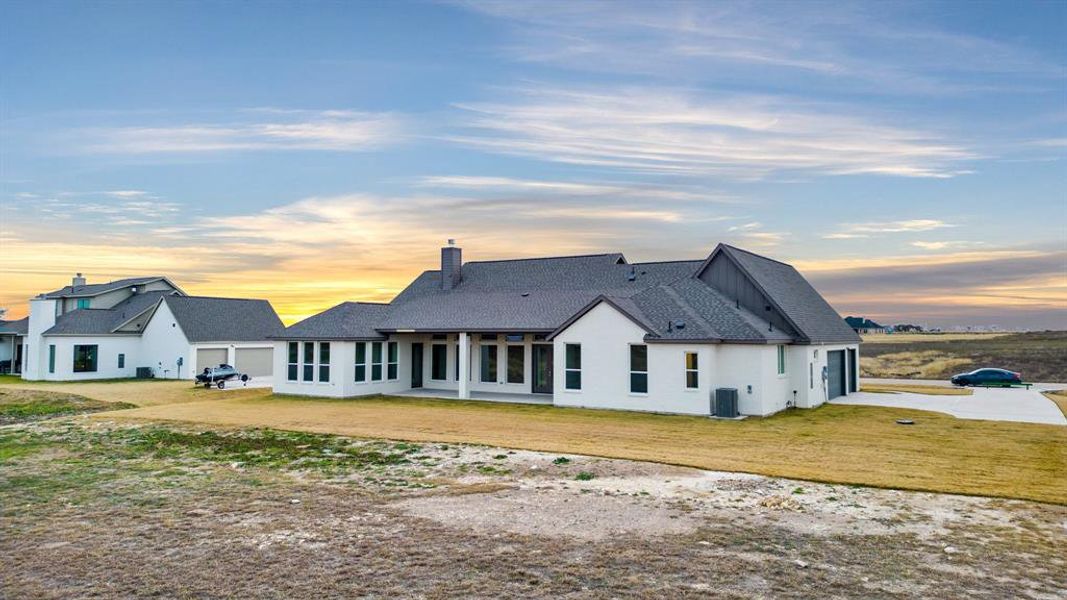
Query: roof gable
point(95, 289)
point(207, 319)
point(787, 292)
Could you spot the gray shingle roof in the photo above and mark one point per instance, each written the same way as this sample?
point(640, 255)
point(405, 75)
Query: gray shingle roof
point(523, 295)
point(103, 321)
point(812, 315)
point(19, 326)
point(205, 319)
point(346, 321)
point(544, 294)
point(95, 289)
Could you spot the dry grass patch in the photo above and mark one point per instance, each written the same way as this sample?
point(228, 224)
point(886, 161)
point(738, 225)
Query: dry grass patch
point(932, 390)
point(835, 443)
point(909, 338)
point(923, 364)
point(139, 392)
point(19, 406)
point(1060, 398)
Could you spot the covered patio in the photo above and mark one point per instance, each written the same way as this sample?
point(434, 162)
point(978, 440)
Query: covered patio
point(545, 399)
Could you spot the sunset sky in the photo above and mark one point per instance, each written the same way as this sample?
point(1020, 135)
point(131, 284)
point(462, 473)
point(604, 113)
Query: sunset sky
point(909, 158)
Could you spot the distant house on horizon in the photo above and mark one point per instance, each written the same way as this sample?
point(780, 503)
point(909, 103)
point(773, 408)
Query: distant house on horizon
point(865, 325)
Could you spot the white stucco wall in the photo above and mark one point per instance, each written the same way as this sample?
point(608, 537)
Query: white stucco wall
point(108, 350)
point(162, 343)
point(342, 382)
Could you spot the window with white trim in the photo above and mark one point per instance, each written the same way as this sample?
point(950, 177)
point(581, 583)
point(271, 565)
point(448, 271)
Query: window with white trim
point(438, 362)
point(487, 372)
point(638, 369)
point(692, 371)
point(392, 365)
point(573, 366)
point(309, 361)
point(294, 361)
point(781, 360)
point(324, 362)
point(361, 362)
point(376, 361)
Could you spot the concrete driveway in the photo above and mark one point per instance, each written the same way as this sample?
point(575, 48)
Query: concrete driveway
point(993, 404)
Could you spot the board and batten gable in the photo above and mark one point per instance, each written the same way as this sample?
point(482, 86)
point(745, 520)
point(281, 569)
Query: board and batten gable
point(725, 276)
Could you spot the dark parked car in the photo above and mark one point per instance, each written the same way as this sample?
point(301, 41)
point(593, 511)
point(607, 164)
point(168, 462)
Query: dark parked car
point(988, 377)
point(219, 376)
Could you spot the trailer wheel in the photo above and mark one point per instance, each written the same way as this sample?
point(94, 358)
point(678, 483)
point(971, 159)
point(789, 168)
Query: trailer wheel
point(222, 385)
point(244, 378)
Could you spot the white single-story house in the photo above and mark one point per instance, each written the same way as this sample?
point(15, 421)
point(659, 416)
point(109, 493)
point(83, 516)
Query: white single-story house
point(589, 331)
point(144, 326)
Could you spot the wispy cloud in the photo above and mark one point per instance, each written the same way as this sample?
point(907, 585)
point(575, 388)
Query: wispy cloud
point(618, 189)
point(874, 47)
point(663, 131)
point(946, 245)
point(287, 130)
point(865, 230)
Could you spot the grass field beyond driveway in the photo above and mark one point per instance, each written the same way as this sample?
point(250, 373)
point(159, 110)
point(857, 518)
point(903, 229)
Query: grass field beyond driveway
point(841, 444)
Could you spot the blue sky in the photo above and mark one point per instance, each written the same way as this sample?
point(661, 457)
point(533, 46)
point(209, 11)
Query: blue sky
point(907, 157)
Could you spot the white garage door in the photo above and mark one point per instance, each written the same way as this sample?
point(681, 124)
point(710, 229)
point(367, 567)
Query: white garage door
point(209, 357)
point(255, 362)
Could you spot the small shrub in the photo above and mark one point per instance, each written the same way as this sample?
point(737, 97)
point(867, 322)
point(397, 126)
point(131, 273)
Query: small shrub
point(798, 490)
point(584, 476)
point(562, 460)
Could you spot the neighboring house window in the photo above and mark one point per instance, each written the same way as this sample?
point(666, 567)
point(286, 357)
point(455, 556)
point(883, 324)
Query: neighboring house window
point(457, 362)
point(692, 372)
point(811, 375)
point(324, 362)
point(781, 360)
point(294, 358)
point(514, 338)
point(84, 302)
point(638, 369)
point(376, 361)
point(516, 363)
point(85, 358)
point(309, 361)
point(439, 362)
point(361, 362)
point(122, 361)
point(488, 370)
point(51, 358)
point(392, 358)
point(573, 367)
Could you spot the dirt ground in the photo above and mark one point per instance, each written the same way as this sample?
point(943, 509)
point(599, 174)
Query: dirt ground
point(103, 508)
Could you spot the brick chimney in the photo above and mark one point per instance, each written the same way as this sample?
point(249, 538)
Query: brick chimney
point(451, 265)
point(77, 281)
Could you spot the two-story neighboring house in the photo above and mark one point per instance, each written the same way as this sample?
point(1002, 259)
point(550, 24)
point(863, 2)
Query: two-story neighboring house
point(121, 328)
point(591, 331)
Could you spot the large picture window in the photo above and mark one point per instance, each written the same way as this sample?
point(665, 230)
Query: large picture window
point(692, 372)
point(516, 364)
point(488, 365)
point(85, 358)
point(324, 362)
point(376, 361)
point(309, 361)
point(294, 361)
point(439, 362)
point(573, 367)
point(638, 369)
point(392, 366)
point(781, 360)
point(361, 362)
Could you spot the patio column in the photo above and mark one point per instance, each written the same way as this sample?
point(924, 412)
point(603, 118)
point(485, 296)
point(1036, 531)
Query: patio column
point(464, 358)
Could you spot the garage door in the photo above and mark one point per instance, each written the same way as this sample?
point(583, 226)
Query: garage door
point(836, 373)
point(210, 357)
point(255, 362)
